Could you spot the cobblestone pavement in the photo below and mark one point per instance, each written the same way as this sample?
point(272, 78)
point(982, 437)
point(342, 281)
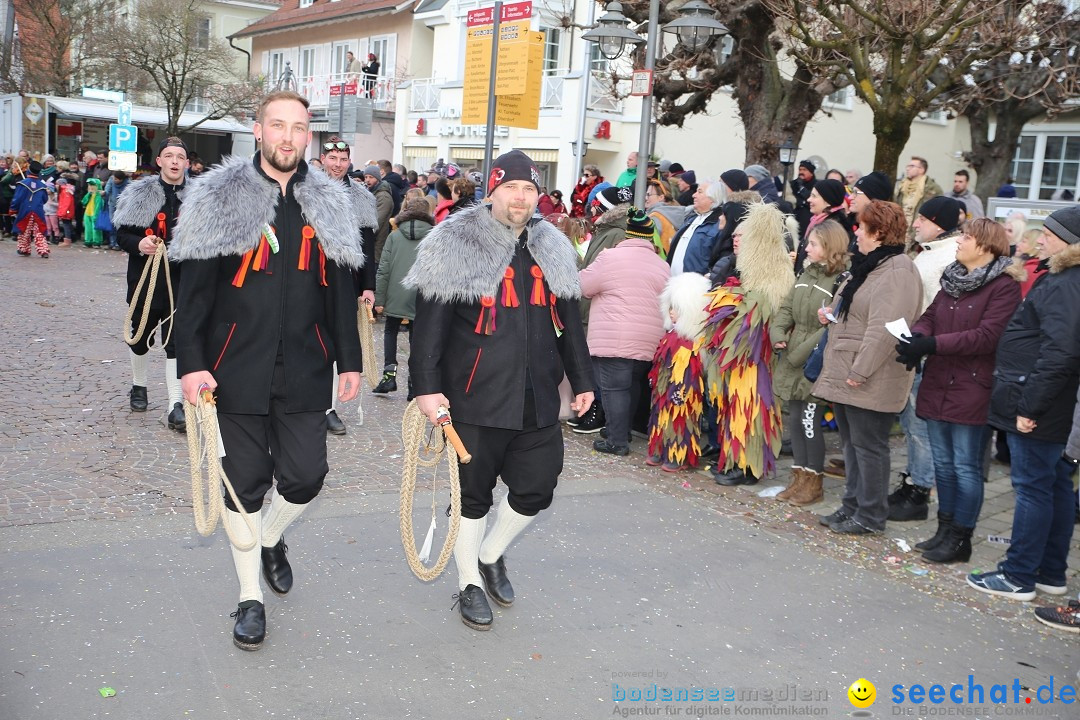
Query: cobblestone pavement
point(71, 451)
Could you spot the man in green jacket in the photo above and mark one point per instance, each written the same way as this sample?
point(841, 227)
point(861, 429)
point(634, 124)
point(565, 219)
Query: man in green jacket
point(629, 175)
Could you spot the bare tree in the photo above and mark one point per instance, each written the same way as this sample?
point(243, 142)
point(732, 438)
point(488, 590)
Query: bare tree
point(1016, 88)
point(50, 33)
point(167, 49)
point(901, 56)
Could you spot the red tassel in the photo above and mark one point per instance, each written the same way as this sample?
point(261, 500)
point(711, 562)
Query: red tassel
point(485, 322)
point(537, 296)
point(162, 227)
point(509, 292)
point(305, 248)
point(262, 257)
point(322, 266)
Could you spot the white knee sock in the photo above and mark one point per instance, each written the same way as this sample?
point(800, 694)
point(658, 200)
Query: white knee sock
point(508, 525)
point(248, 563)
point(138, 368)
point(466, 551)
point(278, 516)
point(172, 383)
point(333, 392)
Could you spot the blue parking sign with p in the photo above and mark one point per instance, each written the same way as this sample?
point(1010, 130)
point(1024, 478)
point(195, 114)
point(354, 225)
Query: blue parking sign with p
point(123, 138)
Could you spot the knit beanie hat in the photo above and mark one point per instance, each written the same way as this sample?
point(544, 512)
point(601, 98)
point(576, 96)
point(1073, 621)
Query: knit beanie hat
point(638, 224)
point(34, 168)
point(675, 168)
point(945, 212)
point(665, 166)
point(831, 191)
point(875, 186)
point(736, 180)
point(808, 165)
point(689, 177)
point(514, 165)
point(373, 171)
point(611, 196)
point(1065, 223)
point(758, 172)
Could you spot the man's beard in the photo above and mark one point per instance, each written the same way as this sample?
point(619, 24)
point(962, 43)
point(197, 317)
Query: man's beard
point(283, 165)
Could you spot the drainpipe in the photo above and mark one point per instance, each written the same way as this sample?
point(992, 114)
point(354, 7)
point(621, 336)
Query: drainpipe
point(243, 51)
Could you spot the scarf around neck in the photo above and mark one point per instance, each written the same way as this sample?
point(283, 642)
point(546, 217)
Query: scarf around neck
point(957, 281)
point(860, 272)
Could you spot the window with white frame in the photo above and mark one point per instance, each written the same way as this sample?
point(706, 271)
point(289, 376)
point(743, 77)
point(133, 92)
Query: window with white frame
point(338, 62)
point(1023, 164)
point(1060, 165)
point(307, 62)
point(275, 65)
point(306, 3)
point(597, 62)
point(384, 47)
point(202, 33)
point(198, 102)
point(842, 99)
point(552, 50)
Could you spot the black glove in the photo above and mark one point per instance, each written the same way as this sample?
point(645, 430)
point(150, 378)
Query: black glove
point(911, 353)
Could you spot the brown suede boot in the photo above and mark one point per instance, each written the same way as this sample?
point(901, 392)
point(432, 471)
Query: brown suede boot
point(796, 482)
point(810, 491)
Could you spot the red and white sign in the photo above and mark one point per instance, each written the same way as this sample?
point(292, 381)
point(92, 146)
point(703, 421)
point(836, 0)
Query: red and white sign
point(641, 83)
point(510, 12)
point(350, 88)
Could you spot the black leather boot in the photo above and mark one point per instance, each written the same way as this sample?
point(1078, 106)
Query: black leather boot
point(475, 611)
point(138, 398)
point(498, 585)
point(177, 421)
point(388, 384)
point(250, 628)
point(734, 476)
point(944, 522)
point(276, 568)
point(334, 425)
point(909, 501)
point(955, 547)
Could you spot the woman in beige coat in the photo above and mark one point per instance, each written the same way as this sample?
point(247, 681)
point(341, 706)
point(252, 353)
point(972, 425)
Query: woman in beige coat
point(859, 376)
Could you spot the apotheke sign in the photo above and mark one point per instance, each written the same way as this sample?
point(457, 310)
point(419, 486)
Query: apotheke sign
point(449, 128)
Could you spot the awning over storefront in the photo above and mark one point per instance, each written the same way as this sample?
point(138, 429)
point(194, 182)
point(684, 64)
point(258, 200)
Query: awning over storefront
point(77, 108)
point(419, 152)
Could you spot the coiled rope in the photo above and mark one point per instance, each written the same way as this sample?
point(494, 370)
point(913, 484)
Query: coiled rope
point(365, 322)
point(417, 454)
point(207, 502)
point(150, 270)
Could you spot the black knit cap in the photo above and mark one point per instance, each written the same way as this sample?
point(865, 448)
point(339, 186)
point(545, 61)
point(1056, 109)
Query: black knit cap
point(945, 212)
point(875, 186)
point(638, 224)
point(34, 167)
point(1065, 223)
point(808, 165)
point(831, 191)
point(513, 165)
point(611, 196)
point(736, 179)
point(675, 168)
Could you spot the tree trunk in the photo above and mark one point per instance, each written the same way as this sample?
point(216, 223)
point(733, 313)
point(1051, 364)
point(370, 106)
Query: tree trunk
point(892, 130)
point(992, 159)
point(772, 109)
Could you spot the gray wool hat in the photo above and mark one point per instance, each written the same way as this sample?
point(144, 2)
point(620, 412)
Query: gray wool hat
point(758, 172)
point(373, 171)
point(1065, 223)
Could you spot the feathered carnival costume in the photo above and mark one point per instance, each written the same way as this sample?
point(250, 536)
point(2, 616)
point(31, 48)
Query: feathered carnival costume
point(676, 378)
point(736, 353)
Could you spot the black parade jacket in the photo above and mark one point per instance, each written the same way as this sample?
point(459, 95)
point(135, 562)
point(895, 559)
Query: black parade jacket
point(245, 303)
point(149, 206)
point(497, 316)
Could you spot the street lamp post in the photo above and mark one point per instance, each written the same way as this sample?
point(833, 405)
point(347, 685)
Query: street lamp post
point(694, 28)
point(788, 152)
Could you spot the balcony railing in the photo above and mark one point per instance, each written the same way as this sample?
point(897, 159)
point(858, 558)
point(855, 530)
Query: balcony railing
point(316, 88)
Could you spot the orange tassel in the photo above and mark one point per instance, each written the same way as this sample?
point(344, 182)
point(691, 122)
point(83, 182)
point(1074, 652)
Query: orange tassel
point(305, 248)
point(537, 296)
point(261, 258)
point(241, 274)
point(555, 319)
point(485, 322)
point(322, 266)
point(509, 293)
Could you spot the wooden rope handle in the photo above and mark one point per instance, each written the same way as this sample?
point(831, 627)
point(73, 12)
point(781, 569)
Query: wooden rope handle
point(442, 415)
point(370, 315)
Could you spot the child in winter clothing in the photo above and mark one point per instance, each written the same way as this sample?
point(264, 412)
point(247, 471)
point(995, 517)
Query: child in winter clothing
point(51, 209)
point(92, 208)
point(677, 379)
point(65, 209)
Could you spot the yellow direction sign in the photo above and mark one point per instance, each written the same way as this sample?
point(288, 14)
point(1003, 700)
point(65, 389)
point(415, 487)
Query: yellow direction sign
point(513, 49)
point(522, 110)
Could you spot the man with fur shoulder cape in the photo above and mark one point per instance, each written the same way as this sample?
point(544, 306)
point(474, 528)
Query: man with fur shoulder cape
point(146, 216)
point(497, 325)
point(267, 306)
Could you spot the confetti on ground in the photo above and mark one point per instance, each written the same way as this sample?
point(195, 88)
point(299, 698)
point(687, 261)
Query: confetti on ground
point(771, 491)
point(917, 571)
point(903, 545)
point(107, 692)
point(892, 560)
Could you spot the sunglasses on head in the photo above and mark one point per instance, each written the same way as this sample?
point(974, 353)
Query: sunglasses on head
point(339, 145)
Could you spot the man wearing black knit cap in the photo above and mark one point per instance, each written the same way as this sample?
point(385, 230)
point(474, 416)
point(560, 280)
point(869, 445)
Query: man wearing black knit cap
point(875, 186)
point(1034, 394)
point(497, 325)
point(735, 180)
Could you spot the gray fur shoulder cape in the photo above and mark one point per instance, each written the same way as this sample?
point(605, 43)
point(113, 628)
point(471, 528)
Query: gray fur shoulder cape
point(140, 203)
point(464, 257)
point(226, 208)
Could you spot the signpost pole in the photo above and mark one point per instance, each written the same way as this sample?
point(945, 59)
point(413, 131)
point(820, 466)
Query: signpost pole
point(341, 112)
point(646, 108)
point(489, 133)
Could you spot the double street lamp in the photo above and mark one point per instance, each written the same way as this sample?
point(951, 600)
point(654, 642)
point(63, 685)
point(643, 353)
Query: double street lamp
point(694, 28)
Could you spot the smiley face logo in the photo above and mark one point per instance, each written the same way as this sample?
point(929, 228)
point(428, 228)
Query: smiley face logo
point(862, 693)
